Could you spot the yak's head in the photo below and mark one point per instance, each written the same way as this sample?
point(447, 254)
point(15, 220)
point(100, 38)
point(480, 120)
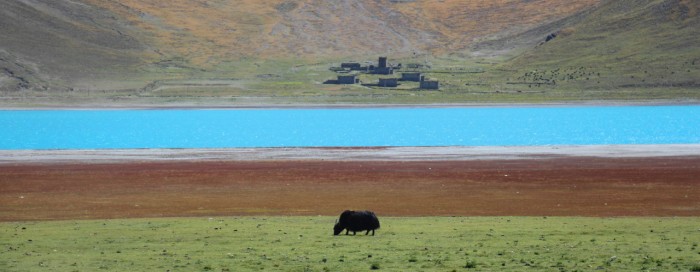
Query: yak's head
point(337, 229)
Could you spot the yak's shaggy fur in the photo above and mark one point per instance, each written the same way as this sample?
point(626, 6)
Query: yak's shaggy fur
point(356, 221)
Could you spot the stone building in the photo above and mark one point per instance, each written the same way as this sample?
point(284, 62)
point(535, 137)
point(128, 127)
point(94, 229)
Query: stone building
point(412, 76)
point(382, 62)
point(430, 84)
point(348, 79)
point(352, 66)
point(389, 82)
point(382, 67)
point(383, 71)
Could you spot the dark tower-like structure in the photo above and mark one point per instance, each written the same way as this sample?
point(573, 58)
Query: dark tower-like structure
point(382, 62)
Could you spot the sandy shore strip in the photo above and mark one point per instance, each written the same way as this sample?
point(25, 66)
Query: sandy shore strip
point(111, 105)
point(448, 153)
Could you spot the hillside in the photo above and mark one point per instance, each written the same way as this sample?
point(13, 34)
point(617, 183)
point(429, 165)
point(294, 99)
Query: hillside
point(97, 44)
point(621, 45)
point(56, 43)
point(147, 52)
point(203, 32)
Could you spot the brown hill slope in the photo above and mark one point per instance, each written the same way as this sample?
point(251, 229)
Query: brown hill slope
point(206, 31)
point(56, 43)
point(86, 43)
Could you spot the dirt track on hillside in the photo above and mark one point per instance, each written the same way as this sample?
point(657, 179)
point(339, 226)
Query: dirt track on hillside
point(567, 186)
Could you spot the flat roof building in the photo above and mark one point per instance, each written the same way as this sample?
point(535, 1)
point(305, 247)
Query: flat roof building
point(383, 71)
point(412, 76)
point(389, 82)
point(348, 79)
point(430, 84)
point(353, 66)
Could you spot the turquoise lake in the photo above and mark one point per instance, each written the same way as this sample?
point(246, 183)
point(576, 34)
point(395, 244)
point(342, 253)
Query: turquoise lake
point(473, 126)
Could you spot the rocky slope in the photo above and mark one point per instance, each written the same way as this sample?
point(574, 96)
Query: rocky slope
point(56, 43)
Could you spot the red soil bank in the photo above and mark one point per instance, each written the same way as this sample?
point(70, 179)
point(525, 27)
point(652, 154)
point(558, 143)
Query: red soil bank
point(566, 186)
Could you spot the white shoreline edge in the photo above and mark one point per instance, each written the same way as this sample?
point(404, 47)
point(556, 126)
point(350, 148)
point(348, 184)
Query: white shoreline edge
point(447, 153)
point(244, 106)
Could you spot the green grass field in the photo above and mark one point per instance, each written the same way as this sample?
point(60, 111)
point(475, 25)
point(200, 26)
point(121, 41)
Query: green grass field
point(462, 80)
point(307, 244)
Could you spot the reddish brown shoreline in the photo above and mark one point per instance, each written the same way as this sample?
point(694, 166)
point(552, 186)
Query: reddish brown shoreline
point(545, 186)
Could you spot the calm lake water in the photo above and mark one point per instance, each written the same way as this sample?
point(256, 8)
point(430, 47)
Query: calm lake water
point(497, 126)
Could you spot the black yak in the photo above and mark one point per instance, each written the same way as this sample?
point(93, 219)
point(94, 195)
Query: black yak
point(356, 221)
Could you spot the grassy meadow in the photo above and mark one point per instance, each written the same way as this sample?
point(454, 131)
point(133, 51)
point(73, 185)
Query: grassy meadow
point(462, 80)
point(306, 244)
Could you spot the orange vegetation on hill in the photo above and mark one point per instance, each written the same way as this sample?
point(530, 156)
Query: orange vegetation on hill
point(464, 22)
point(204, 32)
point(82, 44)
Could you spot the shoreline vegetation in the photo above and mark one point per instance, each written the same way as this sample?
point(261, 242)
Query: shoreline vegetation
point(596, 181)
point(339, 99)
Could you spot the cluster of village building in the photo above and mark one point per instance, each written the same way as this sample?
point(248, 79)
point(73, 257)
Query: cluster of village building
point(382, 68)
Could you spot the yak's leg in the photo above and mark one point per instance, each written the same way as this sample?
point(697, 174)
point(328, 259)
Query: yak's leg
point(367, 233)
point(354, 233)
point(347, 232)
point(372, 232)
